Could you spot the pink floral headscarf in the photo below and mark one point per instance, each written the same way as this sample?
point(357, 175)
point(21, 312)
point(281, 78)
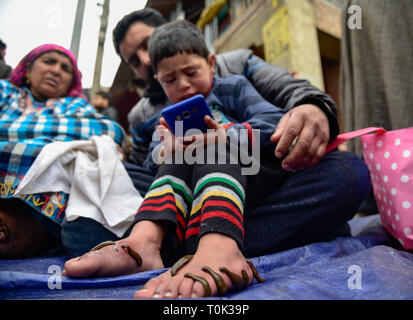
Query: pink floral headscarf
point(19, 73)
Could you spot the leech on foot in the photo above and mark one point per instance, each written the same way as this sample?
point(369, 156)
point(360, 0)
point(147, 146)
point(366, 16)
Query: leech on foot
point(133, 254)
point(205, 284)
point(239, 282)
point(254, 271)
point(236, 279)
point(220, 283)
point(245, 277)
point(103, 244)
point(99, 246)
point(180, 263)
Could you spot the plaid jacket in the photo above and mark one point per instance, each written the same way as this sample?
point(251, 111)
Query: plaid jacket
point(26, 126)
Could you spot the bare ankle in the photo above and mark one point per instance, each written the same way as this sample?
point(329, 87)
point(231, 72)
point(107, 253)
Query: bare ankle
point(149, 231)
point(217, 240)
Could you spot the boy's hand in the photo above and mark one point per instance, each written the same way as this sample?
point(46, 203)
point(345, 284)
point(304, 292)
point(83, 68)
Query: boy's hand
point(218, 134)
point(169, 142)
point(162, 122)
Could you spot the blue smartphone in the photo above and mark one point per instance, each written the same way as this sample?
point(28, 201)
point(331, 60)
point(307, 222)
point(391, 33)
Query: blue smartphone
point(191, 112)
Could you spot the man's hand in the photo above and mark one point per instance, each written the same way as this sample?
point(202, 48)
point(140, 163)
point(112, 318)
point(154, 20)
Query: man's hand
point(310, 126)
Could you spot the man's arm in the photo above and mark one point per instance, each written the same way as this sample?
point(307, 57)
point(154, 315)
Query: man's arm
point(242, 102)
point(282, 89)
point(311, 114)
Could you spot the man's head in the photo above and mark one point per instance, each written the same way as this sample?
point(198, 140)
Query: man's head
point(101, 100)
point(3, 48)
point(181, 60)
point(130, 38)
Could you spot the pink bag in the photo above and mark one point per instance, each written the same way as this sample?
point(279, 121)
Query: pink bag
point(389, 157)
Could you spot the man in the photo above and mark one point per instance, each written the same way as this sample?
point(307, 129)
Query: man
point(312, 112)
point(5, 70)
point(312, 205)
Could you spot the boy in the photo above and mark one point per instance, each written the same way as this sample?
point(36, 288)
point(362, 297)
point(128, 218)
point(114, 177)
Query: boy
point(102, 103)
point(312, 205)
point(200, 207)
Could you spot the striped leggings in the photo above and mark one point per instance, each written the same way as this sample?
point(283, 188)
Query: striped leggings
point(197, 199)
point(205, 198)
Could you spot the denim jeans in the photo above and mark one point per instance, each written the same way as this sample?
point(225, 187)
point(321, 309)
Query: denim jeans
point(312, 205)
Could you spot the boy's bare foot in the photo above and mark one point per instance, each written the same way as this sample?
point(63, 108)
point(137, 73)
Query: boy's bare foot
point(114, 260)
point(215, 251)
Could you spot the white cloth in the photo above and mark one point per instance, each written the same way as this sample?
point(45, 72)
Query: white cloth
point(92, 173)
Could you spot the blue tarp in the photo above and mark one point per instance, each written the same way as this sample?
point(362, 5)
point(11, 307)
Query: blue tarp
point(370, 265)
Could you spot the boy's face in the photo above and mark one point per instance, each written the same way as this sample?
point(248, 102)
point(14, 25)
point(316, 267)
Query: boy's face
point(99, 102)
point(185, 75)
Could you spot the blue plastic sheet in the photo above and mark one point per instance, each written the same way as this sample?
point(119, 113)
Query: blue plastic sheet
point(368, 265)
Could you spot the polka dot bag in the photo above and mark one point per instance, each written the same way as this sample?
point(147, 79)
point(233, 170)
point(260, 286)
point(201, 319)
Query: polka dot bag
point(389, 157)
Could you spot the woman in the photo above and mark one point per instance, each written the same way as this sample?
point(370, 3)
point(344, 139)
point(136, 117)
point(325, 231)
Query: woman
point(42, 102)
